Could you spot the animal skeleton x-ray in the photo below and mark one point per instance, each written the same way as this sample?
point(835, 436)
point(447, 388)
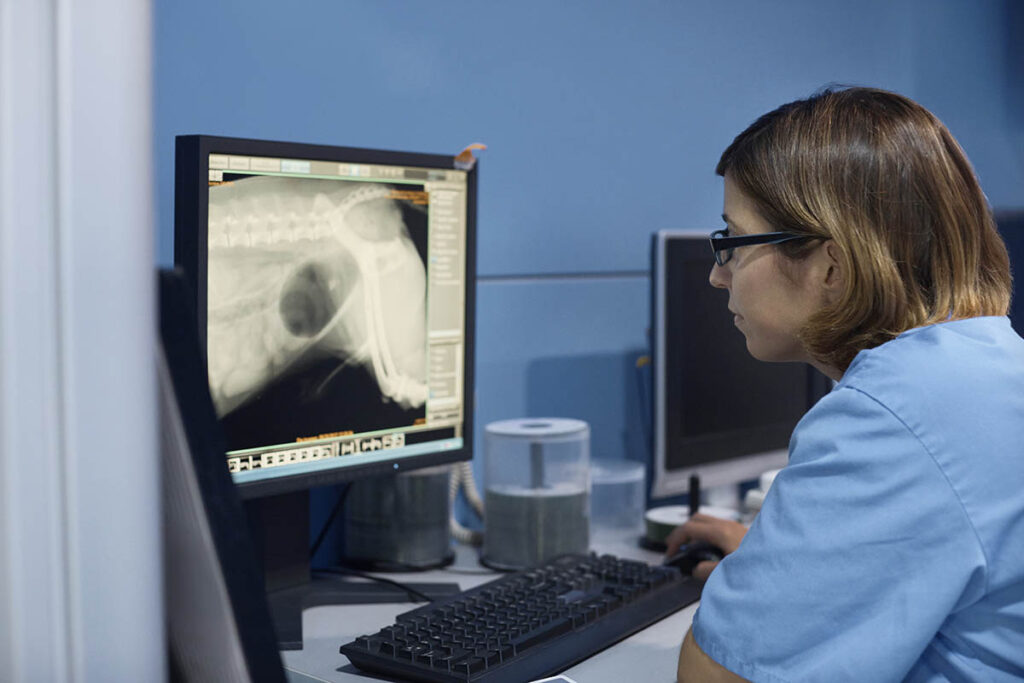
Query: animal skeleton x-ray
point(309, 272)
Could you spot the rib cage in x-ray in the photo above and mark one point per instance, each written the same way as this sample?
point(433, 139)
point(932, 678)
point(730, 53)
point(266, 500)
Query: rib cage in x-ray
point(301, 269)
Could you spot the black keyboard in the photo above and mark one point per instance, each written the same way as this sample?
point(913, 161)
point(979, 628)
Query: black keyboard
point(527, 625)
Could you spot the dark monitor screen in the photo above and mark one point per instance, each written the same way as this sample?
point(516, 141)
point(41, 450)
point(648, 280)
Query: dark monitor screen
point(1011, 228)
point(719, 412)
point(335, 295)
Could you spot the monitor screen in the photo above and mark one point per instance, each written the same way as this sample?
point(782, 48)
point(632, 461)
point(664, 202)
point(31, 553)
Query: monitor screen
point(335, 291)
point(719, 413)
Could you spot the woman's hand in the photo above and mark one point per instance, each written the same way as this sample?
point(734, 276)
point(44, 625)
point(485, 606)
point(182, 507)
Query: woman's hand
point(721, 533)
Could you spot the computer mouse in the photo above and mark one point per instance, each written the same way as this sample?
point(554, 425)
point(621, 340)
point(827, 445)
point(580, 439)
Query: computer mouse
point(690, 555)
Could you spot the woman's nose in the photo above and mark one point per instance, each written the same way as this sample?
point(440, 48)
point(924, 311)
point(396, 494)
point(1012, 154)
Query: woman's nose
point(719, 276)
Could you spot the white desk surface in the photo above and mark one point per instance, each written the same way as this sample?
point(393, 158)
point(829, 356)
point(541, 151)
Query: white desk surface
point(649, 655)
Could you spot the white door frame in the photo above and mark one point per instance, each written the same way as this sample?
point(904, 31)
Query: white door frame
point(80, 566)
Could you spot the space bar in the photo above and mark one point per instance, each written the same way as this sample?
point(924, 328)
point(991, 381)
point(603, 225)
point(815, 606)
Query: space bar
point(542, 635)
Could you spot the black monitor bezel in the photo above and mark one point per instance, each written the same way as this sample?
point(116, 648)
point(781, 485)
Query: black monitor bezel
point(191, 213)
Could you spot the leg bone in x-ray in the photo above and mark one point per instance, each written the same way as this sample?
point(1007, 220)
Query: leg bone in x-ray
point(303, 269)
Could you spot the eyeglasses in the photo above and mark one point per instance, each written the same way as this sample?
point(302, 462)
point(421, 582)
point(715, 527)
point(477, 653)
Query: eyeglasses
point(722, 245)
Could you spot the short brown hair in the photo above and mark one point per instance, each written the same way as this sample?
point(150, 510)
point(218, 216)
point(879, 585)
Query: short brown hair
point(885, 180)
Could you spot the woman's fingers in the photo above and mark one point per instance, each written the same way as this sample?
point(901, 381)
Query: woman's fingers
point(695, 529)
point(675, 539)
point(721, 533)
point(703, 570)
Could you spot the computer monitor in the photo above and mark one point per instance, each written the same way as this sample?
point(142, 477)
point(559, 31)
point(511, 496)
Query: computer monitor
point(718, 413)
point(335, 298)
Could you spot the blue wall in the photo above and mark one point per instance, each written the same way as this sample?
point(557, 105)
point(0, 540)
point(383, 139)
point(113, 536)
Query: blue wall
point(603, 121)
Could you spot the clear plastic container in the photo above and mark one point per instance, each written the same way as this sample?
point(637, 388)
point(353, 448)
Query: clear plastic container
point(537, 491)
point(616, 502)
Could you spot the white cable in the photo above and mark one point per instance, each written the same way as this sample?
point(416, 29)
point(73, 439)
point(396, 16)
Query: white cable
point(459, 532)
point(469, 486)
point(464, 535)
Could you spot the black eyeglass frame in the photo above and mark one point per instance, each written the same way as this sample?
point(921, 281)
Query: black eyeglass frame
point(721, 242)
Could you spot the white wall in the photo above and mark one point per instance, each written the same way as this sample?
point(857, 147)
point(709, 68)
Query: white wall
point(80, 583)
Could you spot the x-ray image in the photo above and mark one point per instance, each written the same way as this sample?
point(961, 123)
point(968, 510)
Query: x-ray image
point(317, 307)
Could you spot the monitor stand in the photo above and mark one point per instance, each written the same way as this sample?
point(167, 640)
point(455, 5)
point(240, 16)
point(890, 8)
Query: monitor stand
point(280, 530)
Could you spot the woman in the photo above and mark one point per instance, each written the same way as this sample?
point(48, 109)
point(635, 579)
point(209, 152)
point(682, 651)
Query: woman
point(891, 547)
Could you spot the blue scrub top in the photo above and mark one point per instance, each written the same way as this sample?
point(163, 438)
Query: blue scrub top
point(891, 547)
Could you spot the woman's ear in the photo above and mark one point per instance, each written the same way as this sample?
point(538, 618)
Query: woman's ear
point(835, 277)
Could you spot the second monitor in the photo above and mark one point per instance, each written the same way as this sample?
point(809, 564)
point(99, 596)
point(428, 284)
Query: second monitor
point(718, 412)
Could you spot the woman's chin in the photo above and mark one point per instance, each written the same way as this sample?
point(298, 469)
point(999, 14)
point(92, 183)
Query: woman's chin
point(753, 350)
point(769, 354)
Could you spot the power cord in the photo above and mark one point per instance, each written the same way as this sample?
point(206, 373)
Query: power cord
point(461, 477)
point(412, 592)
point(330, 520)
